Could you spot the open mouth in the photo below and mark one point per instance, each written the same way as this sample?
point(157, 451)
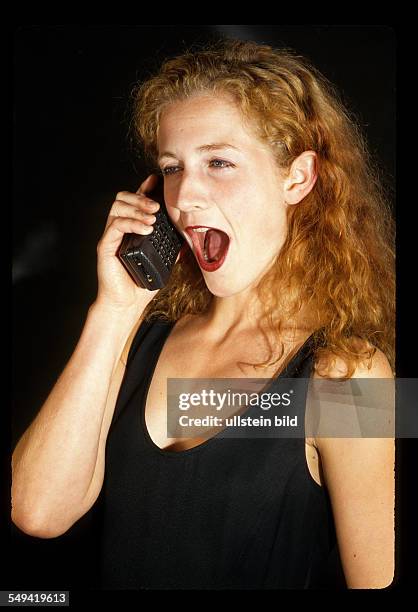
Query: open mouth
point(210, 246)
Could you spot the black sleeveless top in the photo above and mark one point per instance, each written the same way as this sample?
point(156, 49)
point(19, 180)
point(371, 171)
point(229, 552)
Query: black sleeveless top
point(239, 513)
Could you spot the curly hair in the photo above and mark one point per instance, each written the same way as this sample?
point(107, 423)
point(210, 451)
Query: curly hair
point(337, 265)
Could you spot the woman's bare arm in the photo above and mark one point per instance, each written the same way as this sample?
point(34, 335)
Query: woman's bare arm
point(360, 476)
point(57, 465)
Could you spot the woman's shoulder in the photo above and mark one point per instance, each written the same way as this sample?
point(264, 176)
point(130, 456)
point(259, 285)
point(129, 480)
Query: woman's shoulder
point(331, 365)
point(142, 327)
point(378, 367)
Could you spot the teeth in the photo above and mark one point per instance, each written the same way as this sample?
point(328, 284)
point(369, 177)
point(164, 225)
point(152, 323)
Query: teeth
point(200, 229)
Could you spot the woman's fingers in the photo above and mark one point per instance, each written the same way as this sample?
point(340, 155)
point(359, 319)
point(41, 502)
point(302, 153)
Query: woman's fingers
point(134, 207)
point(116, 228)
point(130, 213)
point(136, 199)
point(149, 184)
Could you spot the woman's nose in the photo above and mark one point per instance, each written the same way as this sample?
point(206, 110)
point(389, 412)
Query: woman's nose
point(188, 194)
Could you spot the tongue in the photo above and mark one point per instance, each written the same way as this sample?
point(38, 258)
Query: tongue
point(215, 243)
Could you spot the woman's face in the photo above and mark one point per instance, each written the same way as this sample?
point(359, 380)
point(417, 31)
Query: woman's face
point(237, 190)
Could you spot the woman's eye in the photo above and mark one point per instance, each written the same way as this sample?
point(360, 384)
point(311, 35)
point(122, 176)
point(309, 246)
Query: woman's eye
point(221, 161)
point(217, 163)
point(168, 170)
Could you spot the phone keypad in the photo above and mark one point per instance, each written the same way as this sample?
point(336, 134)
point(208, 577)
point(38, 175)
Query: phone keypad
point(164, 241)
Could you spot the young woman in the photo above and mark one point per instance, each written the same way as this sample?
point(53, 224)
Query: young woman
point(288, 271)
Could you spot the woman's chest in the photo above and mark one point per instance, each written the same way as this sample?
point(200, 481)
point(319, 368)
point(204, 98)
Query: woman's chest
point(191, 356)
point(179, 362)
point(182, 359)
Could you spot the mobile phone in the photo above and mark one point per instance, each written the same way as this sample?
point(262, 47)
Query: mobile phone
point(149, 259)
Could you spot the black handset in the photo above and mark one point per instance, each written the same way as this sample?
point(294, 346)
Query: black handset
point(149, 259)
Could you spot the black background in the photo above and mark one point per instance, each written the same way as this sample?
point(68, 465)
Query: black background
point(71, 156)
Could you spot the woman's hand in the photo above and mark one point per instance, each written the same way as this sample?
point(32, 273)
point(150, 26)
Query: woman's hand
point(130, 213)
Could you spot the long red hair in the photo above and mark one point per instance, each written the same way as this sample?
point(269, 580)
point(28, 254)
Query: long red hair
point(337, 265)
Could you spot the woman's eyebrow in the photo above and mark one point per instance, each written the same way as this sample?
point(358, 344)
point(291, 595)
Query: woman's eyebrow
point(215, 146)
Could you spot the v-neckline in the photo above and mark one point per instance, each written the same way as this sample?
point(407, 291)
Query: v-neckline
point(187, 451)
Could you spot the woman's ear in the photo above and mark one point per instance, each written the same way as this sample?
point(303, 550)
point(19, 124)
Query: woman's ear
point(301, 177)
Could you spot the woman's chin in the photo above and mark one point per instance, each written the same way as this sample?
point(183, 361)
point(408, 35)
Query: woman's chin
point(225, 287)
